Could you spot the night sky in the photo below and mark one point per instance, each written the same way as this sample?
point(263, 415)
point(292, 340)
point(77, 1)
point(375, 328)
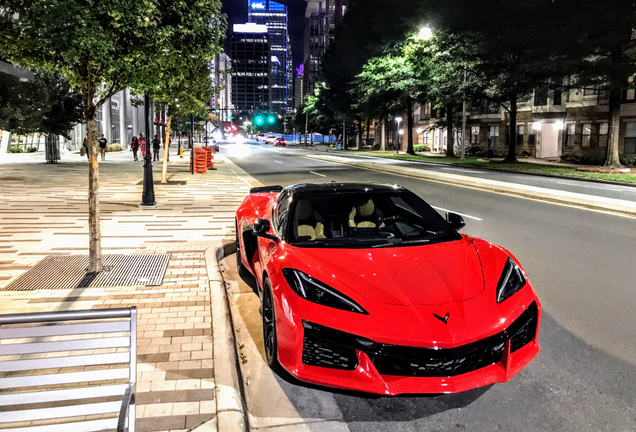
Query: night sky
point(236, 11)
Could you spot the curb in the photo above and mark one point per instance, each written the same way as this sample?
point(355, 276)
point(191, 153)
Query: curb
point(231, 413)
point(481, 168)
point(619, 207)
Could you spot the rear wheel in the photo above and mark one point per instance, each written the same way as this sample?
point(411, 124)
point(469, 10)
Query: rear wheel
point(269, 325)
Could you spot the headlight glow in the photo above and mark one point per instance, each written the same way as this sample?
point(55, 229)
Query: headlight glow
point(317, 292)
point(511, 281)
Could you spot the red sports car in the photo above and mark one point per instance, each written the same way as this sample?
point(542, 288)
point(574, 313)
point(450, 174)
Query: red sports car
point(366, 287)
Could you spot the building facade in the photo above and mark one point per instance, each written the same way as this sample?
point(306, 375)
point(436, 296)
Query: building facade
point(274, 16)
point(221, 82)
point(251, 67)
point(569, 126)
point(322, 17)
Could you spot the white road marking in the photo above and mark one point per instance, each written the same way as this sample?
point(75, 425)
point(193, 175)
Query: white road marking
point(278, 162)
point(591, 187)
point(321, 175)
point(461, 214)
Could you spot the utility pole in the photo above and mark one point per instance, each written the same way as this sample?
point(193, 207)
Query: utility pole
point(306, 126)
point(463, 145)
point(191, 143)
point(148, 194)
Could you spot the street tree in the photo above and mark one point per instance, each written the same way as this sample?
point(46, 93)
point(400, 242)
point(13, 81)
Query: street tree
point(518, 46)
point(602, 51)
point(47, 105)
point(102, 48)
point(181, 72)
point(390, 84)
point(447, 71)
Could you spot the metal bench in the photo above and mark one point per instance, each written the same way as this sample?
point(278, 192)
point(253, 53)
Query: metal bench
point(90, 389)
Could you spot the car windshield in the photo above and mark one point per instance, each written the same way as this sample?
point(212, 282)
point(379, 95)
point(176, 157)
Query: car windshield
point(366, 220)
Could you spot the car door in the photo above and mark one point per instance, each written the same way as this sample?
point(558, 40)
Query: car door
point(279, 217)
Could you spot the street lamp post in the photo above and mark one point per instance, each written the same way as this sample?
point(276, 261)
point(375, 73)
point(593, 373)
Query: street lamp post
point(148, 194)
point(397, 146)
point(463, 144)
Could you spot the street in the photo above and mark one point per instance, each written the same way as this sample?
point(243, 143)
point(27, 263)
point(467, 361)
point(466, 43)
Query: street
point(579, 262)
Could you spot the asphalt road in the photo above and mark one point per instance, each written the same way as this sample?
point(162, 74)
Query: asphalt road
point(571, 185)
point(582, 265)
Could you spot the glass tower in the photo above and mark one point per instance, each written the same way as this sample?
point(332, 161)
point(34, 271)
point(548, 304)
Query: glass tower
point(274, 16)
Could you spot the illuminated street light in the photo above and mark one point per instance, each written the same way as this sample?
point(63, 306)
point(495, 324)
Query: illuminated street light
point(425, 33)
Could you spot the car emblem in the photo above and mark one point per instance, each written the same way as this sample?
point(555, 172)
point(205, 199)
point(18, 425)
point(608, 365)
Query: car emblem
point(443, 319)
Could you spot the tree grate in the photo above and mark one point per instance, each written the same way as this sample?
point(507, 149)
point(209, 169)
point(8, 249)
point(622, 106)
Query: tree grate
point(68, 272)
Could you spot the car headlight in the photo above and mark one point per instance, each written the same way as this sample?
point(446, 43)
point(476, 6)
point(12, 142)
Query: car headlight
point(317, 292)
point(511, 281)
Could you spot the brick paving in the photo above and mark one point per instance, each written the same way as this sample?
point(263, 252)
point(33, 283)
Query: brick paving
point(43, 212)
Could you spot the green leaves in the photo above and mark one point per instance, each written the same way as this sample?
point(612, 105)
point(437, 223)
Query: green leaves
point(47, 105)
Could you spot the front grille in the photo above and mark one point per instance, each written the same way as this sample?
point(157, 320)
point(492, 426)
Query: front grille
point(423, 364)
point(320, 352)
point(332, 348)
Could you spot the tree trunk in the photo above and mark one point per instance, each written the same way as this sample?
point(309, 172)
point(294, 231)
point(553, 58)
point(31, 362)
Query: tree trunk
point(359, 138)
point(512, 145)
point(409, 124)
point(166, 149)
point(450, 143)
point(94, 229)
point(368, 130)
point(612, 158)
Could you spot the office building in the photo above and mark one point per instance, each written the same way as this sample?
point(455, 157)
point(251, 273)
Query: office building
point(322, 17)
point(274, 16)
point(251, 67)
point(221, 82)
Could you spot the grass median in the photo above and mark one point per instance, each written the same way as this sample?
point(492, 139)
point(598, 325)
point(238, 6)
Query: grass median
point(520, 167)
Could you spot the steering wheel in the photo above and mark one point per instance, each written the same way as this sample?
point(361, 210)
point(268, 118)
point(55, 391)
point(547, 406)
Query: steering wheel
point(392, 219)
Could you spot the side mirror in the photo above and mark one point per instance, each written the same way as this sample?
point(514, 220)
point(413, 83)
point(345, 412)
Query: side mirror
point(261, 228)
point(455, 221)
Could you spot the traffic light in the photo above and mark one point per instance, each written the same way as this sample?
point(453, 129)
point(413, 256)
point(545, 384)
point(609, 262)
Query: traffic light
point(259, 120)
point(271, 119)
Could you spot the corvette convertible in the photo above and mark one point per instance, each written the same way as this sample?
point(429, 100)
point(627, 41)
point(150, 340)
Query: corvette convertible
point(366, 287)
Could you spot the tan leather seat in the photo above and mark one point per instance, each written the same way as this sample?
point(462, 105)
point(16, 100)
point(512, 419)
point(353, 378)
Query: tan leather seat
point(363, 216)
point(309, 222)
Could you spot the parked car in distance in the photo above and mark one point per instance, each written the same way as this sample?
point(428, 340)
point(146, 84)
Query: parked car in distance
point(280, 142)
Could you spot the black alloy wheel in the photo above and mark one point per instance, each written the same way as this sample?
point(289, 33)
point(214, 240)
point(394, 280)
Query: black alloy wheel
point(269, 325)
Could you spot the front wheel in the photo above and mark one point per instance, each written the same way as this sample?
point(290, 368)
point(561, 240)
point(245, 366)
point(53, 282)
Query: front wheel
point(269, 325)
point(239, 263)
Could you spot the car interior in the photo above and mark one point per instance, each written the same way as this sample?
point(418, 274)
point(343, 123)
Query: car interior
point(351, 216)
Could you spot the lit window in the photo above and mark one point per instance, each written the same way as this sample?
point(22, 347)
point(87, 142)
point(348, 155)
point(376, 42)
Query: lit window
point(587, 134)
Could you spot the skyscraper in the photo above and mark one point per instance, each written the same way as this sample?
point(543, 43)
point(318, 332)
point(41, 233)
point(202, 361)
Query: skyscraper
point(274, 16)
point(322, 17)
point(251, 67)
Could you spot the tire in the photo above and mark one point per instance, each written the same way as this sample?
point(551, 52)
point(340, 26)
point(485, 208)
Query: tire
point(239, 264)
point(270, 341)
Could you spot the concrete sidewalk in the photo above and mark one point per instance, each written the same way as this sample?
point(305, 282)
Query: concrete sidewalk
point(43, 212)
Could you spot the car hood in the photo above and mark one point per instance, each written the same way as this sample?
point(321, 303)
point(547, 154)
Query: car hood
point(428, 275)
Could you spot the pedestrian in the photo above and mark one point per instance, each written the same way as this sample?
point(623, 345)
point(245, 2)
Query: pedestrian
point(102, 146)
point(85, 145)
point(156, 146)
point(134, 147)
point(142, 144)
